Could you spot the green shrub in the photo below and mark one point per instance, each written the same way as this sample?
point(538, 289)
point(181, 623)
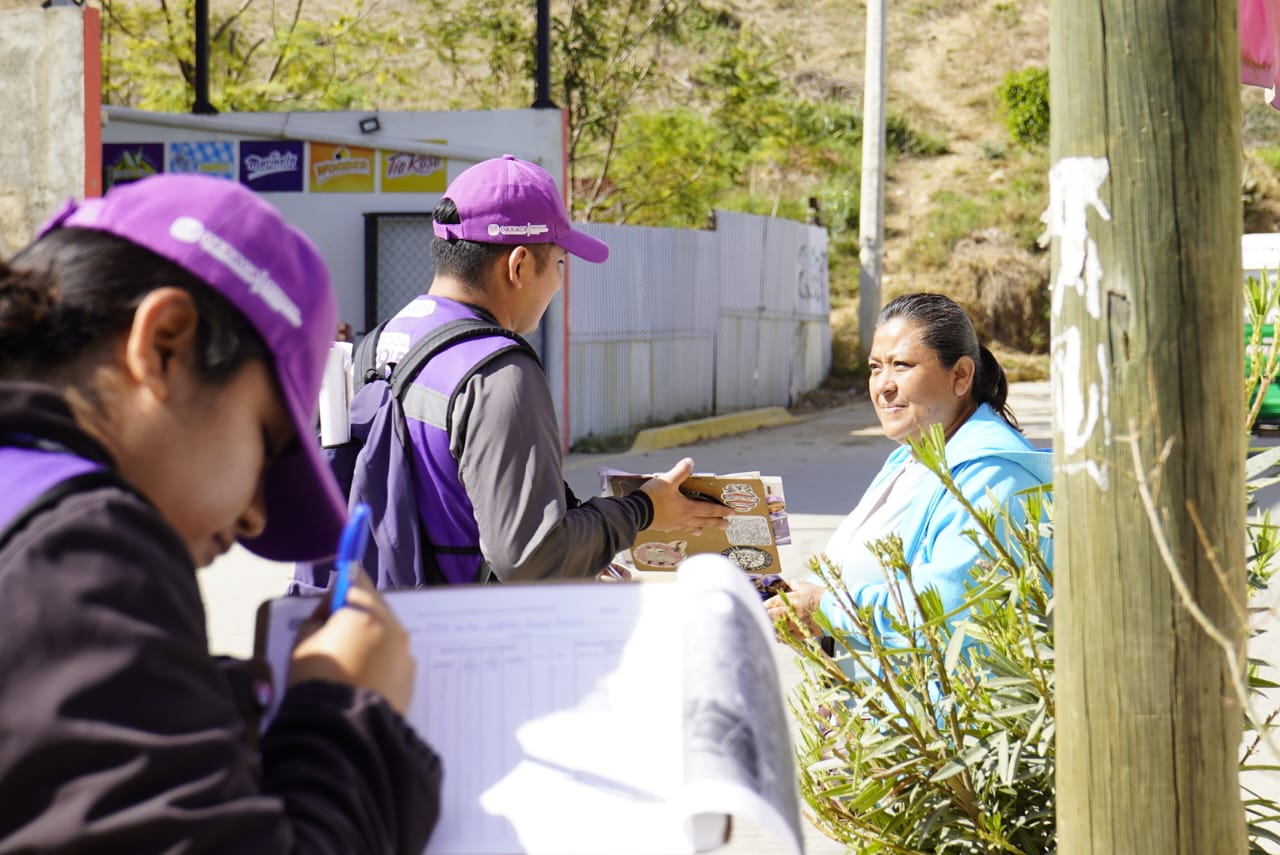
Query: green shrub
point(946, 745)
point(1024, 96)
point(1270, 155)
point(937, 750)
point(953, 217)
point(903, 139)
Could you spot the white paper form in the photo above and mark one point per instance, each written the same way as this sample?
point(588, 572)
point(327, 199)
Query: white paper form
point(583, 718)
point(556, 690)
point(531, 689)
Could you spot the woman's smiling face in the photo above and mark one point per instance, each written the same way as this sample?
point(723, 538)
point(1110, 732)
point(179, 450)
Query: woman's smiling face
point(909, 386)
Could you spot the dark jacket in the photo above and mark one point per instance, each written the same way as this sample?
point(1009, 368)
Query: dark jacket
point(120, 733)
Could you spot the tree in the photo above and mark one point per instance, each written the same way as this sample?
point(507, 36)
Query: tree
point(609, 61)
point(261, 57)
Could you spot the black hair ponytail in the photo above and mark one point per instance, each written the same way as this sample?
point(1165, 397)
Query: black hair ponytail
point(991, 386)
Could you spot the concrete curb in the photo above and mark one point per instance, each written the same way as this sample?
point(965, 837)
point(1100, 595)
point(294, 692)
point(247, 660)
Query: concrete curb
point(683, 433)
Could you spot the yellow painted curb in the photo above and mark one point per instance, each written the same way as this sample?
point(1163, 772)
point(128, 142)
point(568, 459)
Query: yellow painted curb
point(683, 433)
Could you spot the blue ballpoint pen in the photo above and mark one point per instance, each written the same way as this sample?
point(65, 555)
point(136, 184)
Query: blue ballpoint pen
point(355, 535)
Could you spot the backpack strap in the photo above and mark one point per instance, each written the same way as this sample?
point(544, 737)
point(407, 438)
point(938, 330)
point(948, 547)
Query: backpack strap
point(365, 359)
point(441, 338)
point(412, 363)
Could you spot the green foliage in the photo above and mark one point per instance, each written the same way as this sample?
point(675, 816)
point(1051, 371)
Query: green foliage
point(943, 741)
point(1006, 13)
point(1261, 124)
point(993, 150)
point(261, 57)
point(953, 217)
point(900, 137)
point(1015, 203)
point(1270, 155)
point(667, 166)
point(1024, 96)
point(1262, 349)
point(477, 48)
point(840, 203)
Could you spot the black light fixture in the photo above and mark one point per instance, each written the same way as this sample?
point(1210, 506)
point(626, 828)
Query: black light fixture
point(370, 125)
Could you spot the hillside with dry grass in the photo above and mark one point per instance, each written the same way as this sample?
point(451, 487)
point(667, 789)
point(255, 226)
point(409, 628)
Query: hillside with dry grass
point(966, 221)
point(963, 221)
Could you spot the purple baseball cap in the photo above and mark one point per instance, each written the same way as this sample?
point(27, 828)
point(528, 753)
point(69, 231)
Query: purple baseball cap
point(512, 201)
point(241, 247)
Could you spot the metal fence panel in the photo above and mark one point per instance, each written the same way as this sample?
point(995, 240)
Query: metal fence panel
point(681, 323)
point(403, 258)
point(677, 324)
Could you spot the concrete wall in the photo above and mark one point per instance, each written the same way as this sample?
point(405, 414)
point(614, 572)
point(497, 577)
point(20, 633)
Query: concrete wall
point(42, 149)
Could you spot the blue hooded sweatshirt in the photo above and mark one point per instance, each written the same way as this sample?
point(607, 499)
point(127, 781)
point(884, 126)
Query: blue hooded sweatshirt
point(986, 457)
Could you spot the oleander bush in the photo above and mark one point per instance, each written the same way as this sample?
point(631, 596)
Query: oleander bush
point(944, 743)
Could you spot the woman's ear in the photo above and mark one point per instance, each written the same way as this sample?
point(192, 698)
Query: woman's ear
point(161, 338)
point(962, 376)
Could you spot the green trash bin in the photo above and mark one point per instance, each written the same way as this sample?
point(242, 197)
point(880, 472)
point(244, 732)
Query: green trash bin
point(1269, 414)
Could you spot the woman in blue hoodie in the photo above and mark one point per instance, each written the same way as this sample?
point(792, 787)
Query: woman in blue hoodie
point(927, 368)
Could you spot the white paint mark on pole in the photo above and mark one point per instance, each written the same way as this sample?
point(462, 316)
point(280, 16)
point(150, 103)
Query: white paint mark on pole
point(1074, 183)
point(1074, 187)
point(1076, 417)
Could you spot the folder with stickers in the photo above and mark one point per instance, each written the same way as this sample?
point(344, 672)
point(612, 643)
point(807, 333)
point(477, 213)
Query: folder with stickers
point(757, 526)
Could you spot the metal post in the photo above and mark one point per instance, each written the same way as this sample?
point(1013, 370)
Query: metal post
point(201, 104)
point(542, 65)
point(871, 216)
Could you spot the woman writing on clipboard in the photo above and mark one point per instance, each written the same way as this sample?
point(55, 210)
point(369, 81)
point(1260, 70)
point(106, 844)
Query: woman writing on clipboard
point(160, 357)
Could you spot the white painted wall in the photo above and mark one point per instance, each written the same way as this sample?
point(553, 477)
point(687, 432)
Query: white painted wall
point(335, 221)
point(1260, 252)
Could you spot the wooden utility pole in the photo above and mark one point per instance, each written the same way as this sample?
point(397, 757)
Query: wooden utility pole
point(1147, 349)
point(871, 213)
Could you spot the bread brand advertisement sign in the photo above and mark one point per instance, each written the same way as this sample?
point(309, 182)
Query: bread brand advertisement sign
point(405, 172)
point(272, 166)
point(123, 163)
point(341, 169)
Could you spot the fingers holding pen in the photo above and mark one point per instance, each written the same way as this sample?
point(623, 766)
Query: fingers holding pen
point(361, 644)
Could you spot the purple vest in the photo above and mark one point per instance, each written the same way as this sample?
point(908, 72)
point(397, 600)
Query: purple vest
point(29, 473)
point(447, 515)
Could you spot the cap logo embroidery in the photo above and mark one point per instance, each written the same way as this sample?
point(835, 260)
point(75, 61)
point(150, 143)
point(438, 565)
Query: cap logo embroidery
point(190, 230)
point(530, 229)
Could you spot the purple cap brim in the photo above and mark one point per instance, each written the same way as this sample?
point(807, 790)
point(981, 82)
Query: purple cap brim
point(585, 247)
point(308, 520)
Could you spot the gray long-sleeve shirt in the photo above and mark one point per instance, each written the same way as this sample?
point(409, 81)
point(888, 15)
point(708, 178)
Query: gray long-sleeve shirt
point(507, 440)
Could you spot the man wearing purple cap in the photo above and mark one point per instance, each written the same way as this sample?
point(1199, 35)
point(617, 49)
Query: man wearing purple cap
point(487, 463)
point(162, 355)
